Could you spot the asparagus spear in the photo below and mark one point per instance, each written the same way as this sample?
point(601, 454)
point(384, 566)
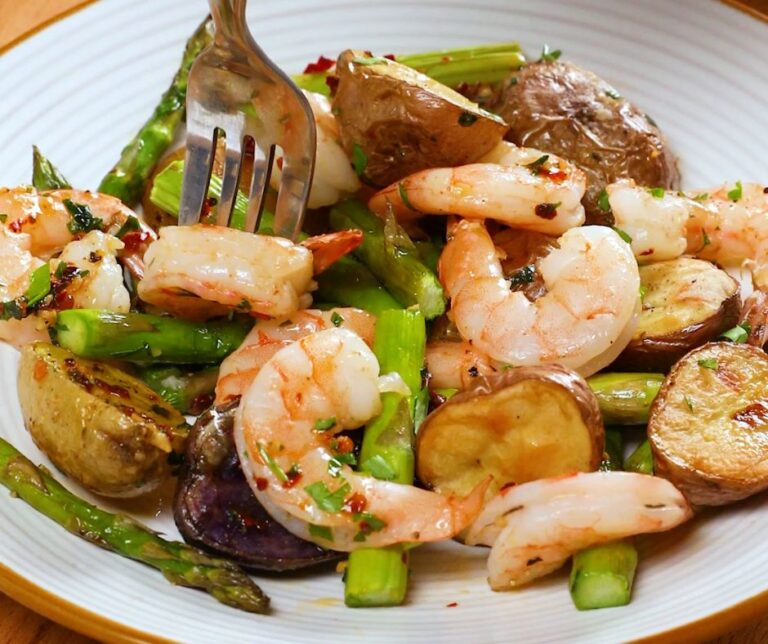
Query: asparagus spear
point(392, 257)
point(641, 460)
point(349, 283)
point(191, 392)
point(379, 577)
point(483, 64)
point(128, 178)
point(602, 576)
point(625, 398)
point(147, 339)
point(45, 175)
point(179, 563)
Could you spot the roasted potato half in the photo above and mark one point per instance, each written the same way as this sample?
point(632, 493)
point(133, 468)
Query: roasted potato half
point(708, 426)
point(396, 121)
point(101, 427)
point(686, 302)
point(523, 424)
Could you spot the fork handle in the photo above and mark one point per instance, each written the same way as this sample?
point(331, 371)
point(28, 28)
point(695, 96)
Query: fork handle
point(229, 19)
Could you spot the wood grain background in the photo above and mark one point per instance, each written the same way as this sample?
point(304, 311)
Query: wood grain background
point(18, 625)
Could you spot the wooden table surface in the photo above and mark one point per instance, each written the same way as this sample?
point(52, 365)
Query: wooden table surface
point(18, 625)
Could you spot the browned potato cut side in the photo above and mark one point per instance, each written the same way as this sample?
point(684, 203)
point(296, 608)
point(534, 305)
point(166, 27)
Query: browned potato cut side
point(686, 302)
point(103, 428)
point(524, 424)
point(401, 121)
point(708, 426)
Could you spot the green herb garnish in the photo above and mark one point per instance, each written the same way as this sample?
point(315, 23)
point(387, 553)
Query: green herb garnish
point(321, 532)
point(602, 201)
point(39, 285)
point(688, 402)
point(404, 196)
point(326, 500)
point(336, 464)
point(708, 363)
point(738, 334)
point(535, 166)
point(737, 193)
point(359, 159)
point(550, 54)
point(336, 319)
point(467, 118)
point(525, 275)
point(379, 468)
point(623, 235)
point(272, 464)
point(131, 225)
point(324, 424)
point(82, 219)
point(657, 193)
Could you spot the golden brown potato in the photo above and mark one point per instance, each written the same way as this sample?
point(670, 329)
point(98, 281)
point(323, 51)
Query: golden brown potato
point(398, 121)
point(100, 426)
point(708, 426)
point(559, 108)
point(524, 424)
point(686, 302)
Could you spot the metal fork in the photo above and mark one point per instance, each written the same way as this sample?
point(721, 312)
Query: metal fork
point(234, 89)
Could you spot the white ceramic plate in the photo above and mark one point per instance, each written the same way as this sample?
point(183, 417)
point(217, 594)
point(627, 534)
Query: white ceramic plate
point(80, 89)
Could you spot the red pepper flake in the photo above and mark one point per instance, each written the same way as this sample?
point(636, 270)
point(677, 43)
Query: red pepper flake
point(208, 204)
point(356, 503)
point(322, 64)
point(40, 370)
point(115, 390)
point(452, 605)
point(332, 82)
point(507, 485)
point(294, 476)
point(556, 175)
point(200, 403)
point(342, 445)
point(765, 190)
point(389, 56)
point(135, 240)
point(261, 484)
point(647, 252)
point(63, 301)
point(546, 210)
point(15, 225)
point(279, 163)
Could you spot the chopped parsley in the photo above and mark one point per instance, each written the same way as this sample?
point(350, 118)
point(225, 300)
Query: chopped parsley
point(326, 500)
point(535, 166)
point(702, 196)
point(244, 305)
point(525, 275)
point(738, 334)
point(688, 402)
point(708, 363)
point(335, 465)
point(623, 235)
point(706, 241)
point(336, 319)
point(404, 196)
point(131, 225)
point(321, 532)
point(272, 465)
point(737, 193)
point(3, 217)
point(367, 523)
point(612, 93)
point(549, 54)
point(359, 159)
point(82, 220)
point(39, 285)
point(467, 118)
point(643, 291)
point(324, 424)
point(657, 193)
point(602, 201)
point(379, 468)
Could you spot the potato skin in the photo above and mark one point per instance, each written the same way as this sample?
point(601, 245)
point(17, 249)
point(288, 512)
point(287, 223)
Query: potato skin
point(559, 108)
point(539, 456)
point(708, 427)
point(688, 302)
point(404, 122)
point(101, 427)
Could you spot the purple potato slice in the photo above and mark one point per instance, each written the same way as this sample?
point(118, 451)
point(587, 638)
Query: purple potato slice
point(216, 510)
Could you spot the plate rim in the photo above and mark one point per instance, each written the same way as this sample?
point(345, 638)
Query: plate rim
point(93, 624)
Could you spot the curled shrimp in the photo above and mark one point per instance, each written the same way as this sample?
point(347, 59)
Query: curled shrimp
point(203, 271)
point(520, 187)
point(727, 225)
point(334, 177)
point(267, 337)
point(583, 321)
point(47, 217)
point(533, 528)
point(286, 432)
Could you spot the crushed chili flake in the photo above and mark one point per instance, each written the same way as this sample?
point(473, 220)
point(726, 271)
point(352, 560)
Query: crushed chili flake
point(332, 82)
point(342, 444)
point(294, 476)
point(200, 403)
point(647, 252)
point(63, 301)
point(208, 204)
point(134, 241)
point(279, 162)
point(15, 225)
point(261, 484)
point(355, 503)
point(40, 370)
point(452, 605)
point(546, 210)
point(389, 56)
point(322, 64)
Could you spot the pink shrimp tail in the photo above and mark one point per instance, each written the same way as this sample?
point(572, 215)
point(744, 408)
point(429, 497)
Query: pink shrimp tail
point(329, 248)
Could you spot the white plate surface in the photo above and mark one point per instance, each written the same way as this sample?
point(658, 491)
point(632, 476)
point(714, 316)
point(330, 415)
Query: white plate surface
point(80, 89)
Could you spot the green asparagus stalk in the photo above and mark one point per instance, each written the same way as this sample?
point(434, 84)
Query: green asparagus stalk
point(349, 283)
point(625, 398)
point(147, 339)
point(138, 159)
point(602, 576)
point(641, 460)
point(392, 257)
point(452, 67)
point(179, 563)
point(188, 391)
point(45, 175)
point(379, 577)
point(166, 194)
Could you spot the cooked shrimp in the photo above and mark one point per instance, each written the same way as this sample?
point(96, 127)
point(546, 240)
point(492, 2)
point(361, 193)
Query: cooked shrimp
point(455, 365)
point(286, 435)
point(269, 336)
point(334, 177)
point(202, 271)
point(711, 226)
point(585, 319)
point(520, 187)
point(327, 249)
point(47, 218)
point(533, 528)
